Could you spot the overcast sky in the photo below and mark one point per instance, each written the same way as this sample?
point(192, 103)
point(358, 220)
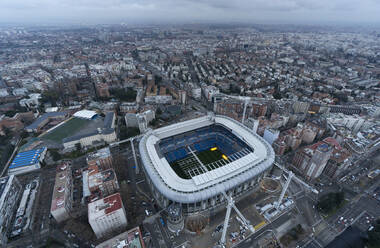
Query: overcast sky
point(253, 11)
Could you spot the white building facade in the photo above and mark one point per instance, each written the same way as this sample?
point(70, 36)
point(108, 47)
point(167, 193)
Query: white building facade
point(107, 215)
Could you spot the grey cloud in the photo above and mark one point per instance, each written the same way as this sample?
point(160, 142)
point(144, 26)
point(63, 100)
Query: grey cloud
point(98, 11)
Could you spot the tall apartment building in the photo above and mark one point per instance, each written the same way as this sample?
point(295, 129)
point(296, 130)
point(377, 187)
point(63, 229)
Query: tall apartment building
point(10, 192)
point(61, 203)
point(129, 239)
point(102, 183)
point(107, 215)
point(312, 160)
point(101, 158)
point(270, 135)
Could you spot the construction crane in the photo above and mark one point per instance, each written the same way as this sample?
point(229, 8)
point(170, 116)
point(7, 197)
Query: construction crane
point(287, 183)
point(230, 205)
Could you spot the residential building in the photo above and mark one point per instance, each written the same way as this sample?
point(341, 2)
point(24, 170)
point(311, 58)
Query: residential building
point(313, 159)
point(129, 239)
point(10, 192)
point(103, 182)
point(61, 204)
point(107, 215)
point(271, 135)
point(101, 158)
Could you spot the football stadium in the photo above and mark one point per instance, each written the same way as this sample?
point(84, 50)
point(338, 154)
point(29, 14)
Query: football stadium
point(191, 163)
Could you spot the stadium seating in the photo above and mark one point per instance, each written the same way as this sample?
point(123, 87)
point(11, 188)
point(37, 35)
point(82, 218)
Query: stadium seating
point(176, 148)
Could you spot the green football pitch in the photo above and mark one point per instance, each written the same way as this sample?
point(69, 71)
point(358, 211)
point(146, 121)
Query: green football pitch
point(65, 130)
point(207, 157)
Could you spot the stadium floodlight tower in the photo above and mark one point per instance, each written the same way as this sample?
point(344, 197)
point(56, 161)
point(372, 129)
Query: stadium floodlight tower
point(230, 205)
point(284, 189)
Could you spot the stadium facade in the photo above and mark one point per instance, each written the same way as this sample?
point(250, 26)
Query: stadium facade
point(191, 163)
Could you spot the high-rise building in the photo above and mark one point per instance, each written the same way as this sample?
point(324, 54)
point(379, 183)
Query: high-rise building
point(102, 183)
point(61, 203)
point(279, 147)
point(182, 96)
point(10, 192)
point(312, 160)
point(107, 215)
point(140, 120)
point(128, 239)
point(270, 135)
point(101, 158)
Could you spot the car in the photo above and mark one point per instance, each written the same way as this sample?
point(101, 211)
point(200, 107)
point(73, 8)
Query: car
point(162, 221)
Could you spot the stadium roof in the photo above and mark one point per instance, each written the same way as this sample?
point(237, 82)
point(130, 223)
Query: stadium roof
point(211, 183)
point(27, 158)
point(85, 114)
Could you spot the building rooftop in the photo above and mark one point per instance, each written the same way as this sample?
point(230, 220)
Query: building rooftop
point(102, 153)
point(85, 114)
point(104, 206)
point(128, 239)
point(58, 199)
point(27, 158)
point(98, 178)
point(43, 117)
point(108, 120)
point(3, 184)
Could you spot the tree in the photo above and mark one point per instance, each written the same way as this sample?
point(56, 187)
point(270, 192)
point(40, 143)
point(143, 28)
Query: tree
point(158, 111)
point(127, 132)
point(128, 95)
point(78, 146)
point(374, 235)
point(157, 79)
point(330, 202)
point(153, 122)
point(55, 155)
point(24, 134)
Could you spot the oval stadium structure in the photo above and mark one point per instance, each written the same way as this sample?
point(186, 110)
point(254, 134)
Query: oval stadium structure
point(191, 163)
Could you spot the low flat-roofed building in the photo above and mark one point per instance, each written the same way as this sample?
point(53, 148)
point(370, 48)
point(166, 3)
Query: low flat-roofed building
point(27, 161)
point(107, 215)
point(10, 192)
point(61, 202)
point(128, 239)
point(41, 121)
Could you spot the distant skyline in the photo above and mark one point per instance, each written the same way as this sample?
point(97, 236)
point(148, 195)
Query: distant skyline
point(324, 12)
